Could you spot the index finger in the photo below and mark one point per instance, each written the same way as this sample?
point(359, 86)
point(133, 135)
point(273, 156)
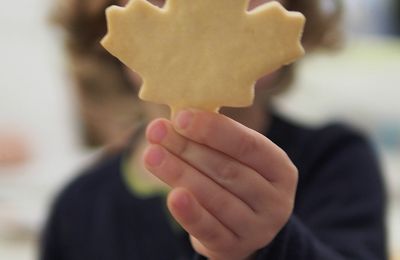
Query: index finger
point(235, 140)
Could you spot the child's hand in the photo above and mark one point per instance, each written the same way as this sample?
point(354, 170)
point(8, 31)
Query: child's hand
point(233, 189)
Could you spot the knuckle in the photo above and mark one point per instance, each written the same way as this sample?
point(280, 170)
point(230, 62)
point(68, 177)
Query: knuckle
point(247, 145)
point(183, 147)
point(283, 155)
point(227, 171)
point(219, 205)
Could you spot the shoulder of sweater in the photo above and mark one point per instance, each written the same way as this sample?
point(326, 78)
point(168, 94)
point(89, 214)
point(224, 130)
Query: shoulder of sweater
point(328, 132)
point(337, 152)
point(297, 138)
point(323, 143)
point(313, 146)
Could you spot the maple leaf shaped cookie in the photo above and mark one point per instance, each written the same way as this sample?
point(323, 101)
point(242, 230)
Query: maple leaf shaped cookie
point(202, 53)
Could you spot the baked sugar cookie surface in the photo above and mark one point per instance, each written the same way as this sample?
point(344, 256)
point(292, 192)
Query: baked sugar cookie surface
point(202, 54)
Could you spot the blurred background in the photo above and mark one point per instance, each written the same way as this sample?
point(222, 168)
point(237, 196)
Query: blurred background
point(40, 147)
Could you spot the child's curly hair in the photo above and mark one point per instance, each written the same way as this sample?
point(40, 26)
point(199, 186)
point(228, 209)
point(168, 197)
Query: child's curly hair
point(108, 102)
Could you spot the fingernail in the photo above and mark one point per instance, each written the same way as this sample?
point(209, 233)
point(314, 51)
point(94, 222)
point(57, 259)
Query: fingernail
point(154, 156)
point(157, 132)
point(183, 119)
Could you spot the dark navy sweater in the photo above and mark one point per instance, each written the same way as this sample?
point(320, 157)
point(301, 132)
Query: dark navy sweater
point(338, 214)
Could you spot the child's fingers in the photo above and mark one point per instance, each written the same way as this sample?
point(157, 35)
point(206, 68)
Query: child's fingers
point(197, 221)
point(243, 144)
point(242, 181)
point(227, 208)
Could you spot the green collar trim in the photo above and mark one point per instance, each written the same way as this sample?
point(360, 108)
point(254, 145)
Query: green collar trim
point(138, 186)
point(145, 190)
